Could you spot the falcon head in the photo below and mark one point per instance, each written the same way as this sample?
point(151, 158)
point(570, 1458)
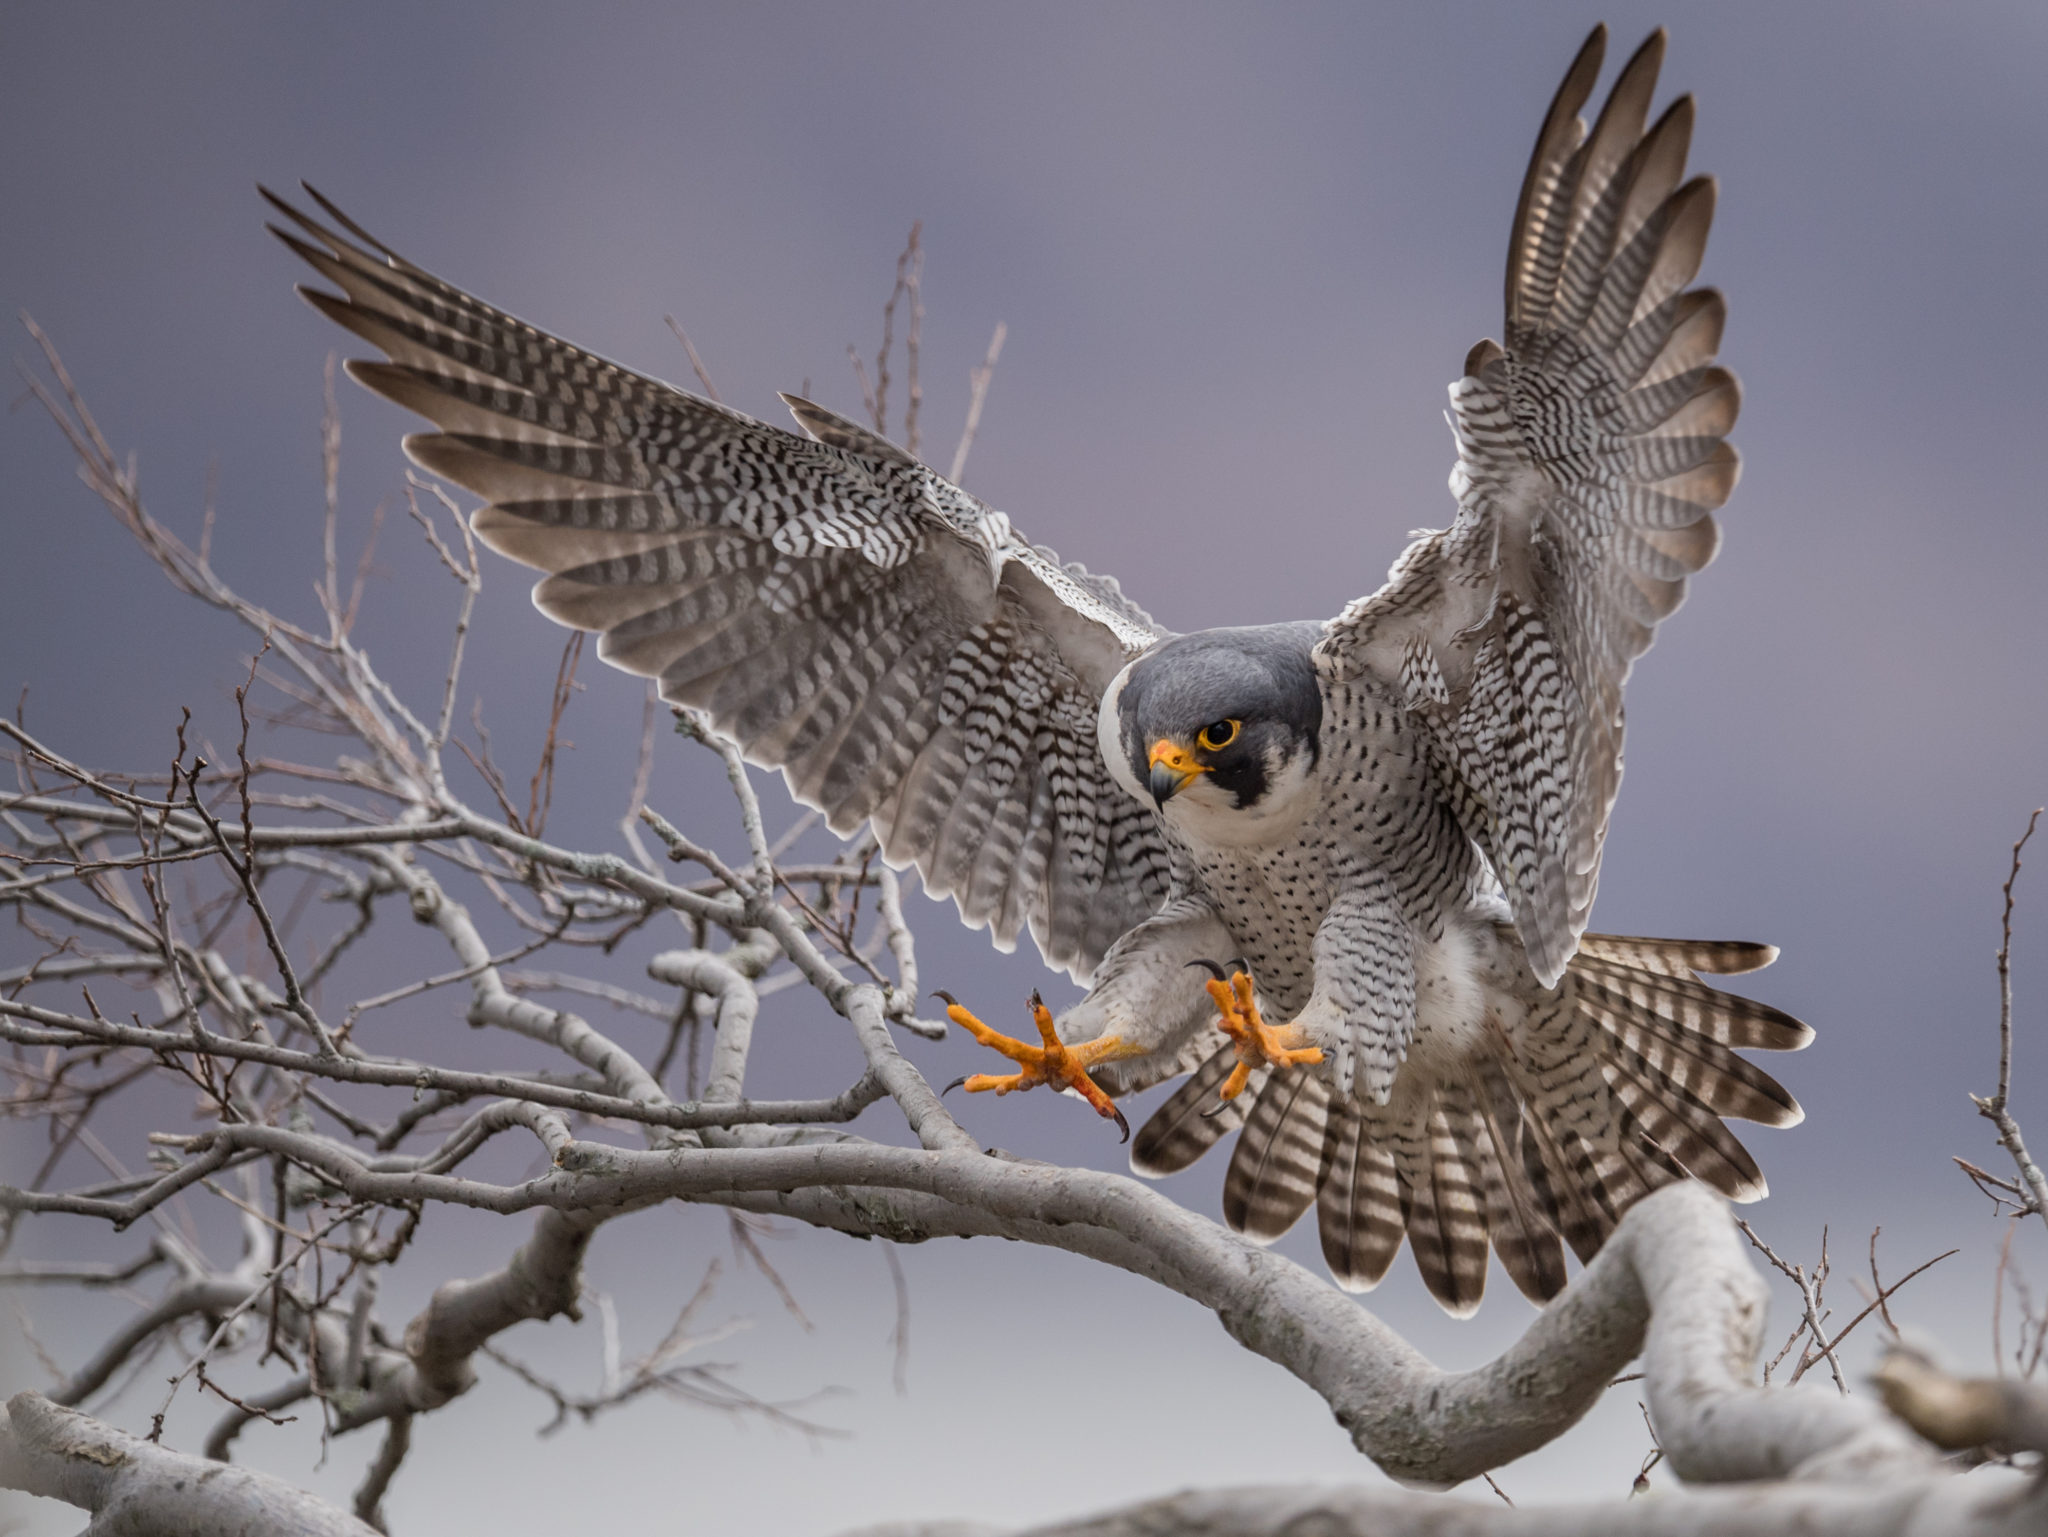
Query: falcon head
point(1217, 730)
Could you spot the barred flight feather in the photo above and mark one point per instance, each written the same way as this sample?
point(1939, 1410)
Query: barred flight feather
point(1692, 1061)
point(1591, 453)
point(811, 593)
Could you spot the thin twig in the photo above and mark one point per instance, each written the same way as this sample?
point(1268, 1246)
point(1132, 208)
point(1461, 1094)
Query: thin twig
point(541, 794)
point(1641, 1485)
point(913, 284)
point(696, 363)
point(860, 376)
point(1813, 1317)
point(1994, 1109)
point(899, 1335)
point(977, 394)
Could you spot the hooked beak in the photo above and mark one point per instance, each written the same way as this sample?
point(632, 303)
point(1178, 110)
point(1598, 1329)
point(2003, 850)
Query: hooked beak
point(1173, 769)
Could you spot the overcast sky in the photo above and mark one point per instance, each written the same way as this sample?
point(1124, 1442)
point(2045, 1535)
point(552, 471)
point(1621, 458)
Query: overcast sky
point(1240, 252)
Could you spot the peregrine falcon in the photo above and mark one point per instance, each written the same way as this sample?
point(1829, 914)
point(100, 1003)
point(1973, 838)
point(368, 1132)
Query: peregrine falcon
point(1382, 830)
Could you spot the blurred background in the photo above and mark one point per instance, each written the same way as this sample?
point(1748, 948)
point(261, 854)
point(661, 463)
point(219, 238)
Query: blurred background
point(1240, 252)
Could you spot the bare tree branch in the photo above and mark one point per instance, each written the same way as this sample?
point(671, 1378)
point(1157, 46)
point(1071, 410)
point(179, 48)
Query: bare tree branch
point(1875, 1508)
point(1993, 1109)
point(135, 1489)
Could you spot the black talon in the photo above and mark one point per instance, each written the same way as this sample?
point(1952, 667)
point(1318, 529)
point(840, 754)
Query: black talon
point(951, 1001)
point(1123, 1125)
point(1212, 968)
point(1241, 964)
point(1216, 1109)
point(949, 1088)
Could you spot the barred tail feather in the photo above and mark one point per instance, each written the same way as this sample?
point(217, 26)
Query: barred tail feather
point(1694, 1065)
point(1515, 1211)
point(1277, 1164)
point(1563, 1189)
point(1192, 1120)
point(1358, 1209)
point(1695, 1007)
point(1448, 1223)
point(1679, 957)
point(1676, 1124)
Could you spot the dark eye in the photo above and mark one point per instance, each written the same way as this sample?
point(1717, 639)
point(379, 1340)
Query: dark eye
point(1217, 735)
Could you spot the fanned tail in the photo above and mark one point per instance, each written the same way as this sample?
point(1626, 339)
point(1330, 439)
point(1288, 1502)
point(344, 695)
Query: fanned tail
point(1609, 1086)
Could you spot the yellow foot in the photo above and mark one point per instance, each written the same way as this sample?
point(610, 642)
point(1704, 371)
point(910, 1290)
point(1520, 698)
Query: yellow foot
point(1258, 1044)
point(1055, 1062)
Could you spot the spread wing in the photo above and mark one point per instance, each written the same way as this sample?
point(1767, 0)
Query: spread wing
point(1590, 456)
point(840, 611)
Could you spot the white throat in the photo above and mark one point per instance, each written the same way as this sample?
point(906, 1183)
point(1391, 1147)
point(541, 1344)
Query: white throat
point(1208, 816)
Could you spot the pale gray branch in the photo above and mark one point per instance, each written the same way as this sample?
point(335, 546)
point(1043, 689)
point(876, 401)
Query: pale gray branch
point(1949, 1507)
point(135, 1489)
point(540, 1281)
point(1672, 1285)
point(737, 1006)
point(369, 1498)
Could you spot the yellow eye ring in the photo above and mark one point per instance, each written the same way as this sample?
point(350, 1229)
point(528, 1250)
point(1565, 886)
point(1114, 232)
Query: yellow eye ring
point(1218, 735)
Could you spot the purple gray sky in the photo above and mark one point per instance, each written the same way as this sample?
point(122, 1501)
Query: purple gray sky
point(1240, 252)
